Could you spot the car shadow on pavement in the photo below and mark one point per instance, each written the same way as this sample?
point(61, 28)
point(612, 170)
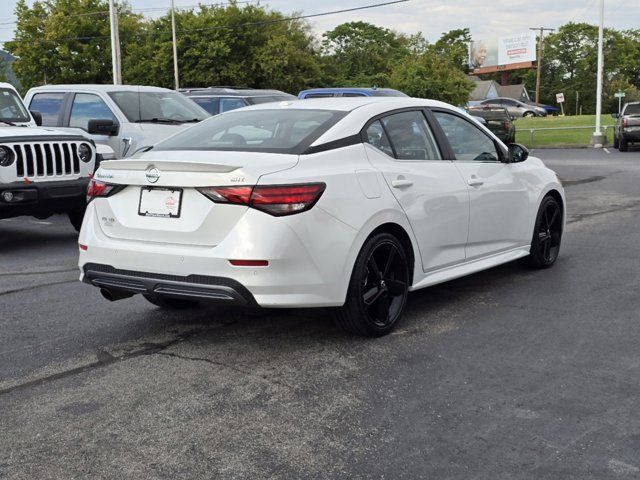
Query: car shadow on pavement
point(427, 309)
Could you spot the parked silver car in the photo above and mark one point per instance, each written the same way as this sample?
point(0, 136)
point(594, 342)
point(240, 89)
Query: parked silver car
point(515, 107)
point(124, 117)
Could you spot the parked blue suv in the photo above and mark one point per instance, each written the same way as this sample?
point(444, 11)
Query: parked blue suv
point(349, 92)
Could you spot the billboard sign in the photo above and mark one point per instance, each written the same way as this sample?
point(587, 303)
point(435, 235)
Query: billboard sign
point(502, 53)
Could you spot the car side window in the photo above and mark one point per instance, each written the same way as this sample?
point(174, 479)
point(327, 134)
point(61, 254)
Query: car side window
point(467, 141)
point(377, 137)
point(353, 94)
point(87, 106)
point(49, 105)
point(210, 104)
point(411, 136)
point(230, 103)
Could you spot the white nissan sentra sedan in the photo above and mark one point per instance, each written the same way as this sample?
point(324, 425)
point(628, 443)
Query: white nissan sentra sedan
point(341, 202)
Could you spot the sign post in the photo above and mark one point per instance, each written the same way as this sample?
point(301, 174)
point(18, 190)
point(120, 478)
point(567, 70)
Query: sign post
point(619, 95)
point(560, 100)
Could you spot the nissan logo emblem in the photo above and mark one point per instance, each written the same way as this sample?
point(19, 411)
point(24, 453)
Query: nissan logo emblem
point(153, 175)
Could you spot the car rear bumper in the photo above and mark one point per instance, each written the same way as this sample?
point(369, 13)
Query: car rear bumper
point(631, 136)
point(42, 199)
point(191, 287)
point(304, 268)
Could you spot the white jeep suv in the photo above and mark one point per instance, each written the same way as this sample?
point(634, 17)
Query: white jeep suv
point(42, 171)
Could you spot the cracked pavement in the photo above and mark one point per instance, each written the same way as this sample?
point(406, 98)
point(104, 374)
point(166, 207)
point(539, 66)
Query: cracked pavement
point(510, 373)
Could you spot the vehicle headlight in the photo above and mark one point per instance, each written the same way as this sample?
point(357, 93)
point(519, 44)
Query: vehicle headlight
point(6, 156)
point(84, 152)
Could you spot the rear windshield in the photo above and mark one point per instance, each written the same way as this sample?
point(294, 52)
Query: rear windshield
point(269, 131)
point(632, 109)
point(490, 113)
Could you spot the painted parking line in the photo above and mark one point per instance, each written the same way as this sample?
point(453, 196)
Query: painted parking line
point(606, 150)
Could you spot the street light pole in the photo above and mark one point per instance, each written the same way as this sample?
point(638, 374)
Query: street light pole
point(599, 139)
point(542, 30)
point(175, 47)
point(115, 44)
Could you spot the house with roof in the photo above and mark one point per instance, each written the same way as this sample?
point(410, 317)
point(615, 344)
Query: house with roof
point(486, 89)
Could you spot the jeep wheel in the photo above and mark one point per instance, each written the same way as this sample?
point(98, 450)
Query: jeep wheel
point(75, 217)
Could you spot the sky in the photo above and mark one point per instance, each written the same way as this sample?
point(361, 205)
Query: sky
point(432, 18)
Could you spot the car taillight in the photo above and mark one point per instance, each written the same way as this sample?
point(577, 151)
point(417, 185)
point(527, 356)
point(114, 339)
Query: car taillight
point(277, 200)
point(97, 188)
point(625, 122)
point(505, 125)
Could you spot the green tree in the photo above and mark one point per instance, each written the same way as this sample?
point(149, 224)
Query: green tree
point(226, 45)
point(432, 75)
point(362, 54)
point(455, 46)
point(66, 41)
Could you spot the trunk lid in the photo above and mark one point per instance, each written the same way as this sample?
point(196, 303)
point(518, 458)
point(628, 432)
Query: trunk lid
point(174, 175)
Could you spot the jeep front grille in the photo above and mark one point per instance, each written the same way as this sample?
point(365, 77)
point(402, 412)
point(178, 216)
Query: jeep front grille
point(50, 159)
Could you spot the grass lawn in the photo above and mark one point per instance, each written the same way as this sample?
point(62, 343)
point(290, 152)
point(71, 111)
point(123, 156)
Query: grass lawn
point(560, 137)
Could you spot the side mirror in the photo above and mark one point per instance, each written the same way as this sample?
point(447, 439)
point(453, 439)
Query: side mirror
point(615, 115)
point(37, 117)
point(102, 126)
point(517, 153)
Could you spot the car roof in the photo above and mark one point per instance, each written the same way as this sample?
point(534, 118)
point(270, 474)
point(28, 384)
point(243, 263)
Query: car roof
point(359, 110)
point(349, 89)
point(347, 104)
point(101, 88)
point(232, 92)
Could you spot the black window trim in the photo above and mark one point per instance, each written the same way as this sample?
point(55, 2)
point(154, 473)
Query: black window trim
point(443, 147)
point(69, 107)
point(499, 148)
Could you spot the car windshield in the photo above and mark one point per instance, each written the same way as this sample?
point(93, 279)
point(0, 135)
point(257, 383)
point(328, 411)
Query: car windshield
point(270, 98)
point(161, 107)
point(387, 93)
point(11, 107)
point(632, 109)
point(273, 131)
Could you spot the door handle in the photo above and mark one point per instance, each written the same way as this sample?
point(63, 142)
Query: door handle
point(401, 183)
point(475, 182)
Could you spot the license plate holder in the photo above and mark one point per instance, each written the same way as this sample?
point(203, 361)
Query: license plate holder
point(160, 202)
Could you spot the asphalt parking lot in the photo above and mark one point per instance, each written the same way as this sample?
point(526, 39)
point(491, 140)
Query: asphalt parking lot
point(510, 373)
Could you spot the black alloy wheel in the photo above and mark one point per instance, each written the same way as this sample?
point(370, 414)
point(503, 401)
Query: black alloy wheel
point(378, 289)
point(547, 235)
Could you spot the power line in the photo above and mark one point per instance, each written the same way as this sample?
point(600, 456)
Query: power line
point(224, 27)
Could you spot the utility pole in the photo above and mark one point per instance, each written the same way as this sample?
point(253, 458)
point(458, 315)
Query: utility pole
point(115, 44)
point(175, 46)
point(542, 30)
point(598, 139)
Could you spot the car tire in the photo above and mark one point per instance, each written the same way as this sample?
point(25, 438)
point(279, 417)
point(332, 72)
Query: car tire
point(547, 235)
point(623, 146)
point(75, 217)
point(378, 288)
point(171, 303)
point(528, 114)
